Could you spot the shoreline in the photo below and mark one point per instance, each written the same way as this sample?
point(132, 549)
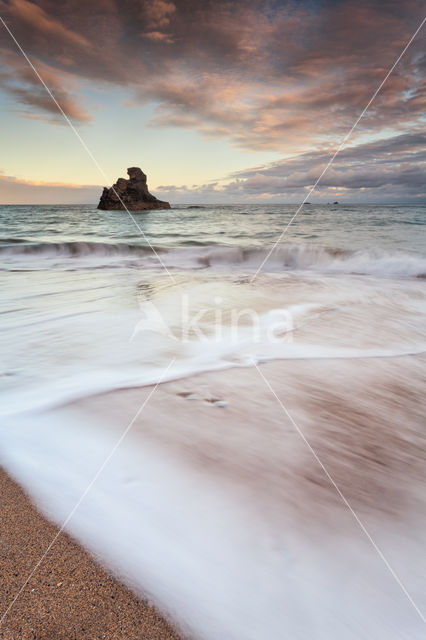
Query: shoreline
point(214, 494)
point(70, 596)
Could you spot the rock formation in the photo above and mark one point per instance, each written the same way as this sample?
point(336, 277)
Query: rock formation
point(132, 194)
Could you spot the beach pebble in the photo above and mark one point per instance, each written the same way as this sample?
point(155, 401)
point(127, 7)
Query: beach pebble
point(221, 403)
point(189, 396)
point(194, 396)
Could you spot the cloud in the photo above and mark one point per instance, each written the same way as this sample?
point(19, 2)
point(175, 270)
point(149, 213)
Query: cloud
point(384, 170)
point(264, 75)
point(158, 36)
point(42, 102)
point(157, 14)
point(32, 15)
point(20, 82)
point(16, 191)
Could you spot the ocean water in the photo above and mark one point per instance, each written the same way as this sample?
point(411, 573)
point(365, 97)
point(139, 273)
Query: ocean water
point(96, 302)
point(83, 288)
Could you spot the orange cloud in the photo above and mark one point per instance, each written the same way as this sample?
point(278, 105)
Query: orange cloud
point(18, 191)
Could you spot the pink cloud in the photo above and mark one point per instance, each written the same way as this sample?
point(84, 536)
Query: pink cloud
point(261, 74)
point(36, 18)
point(21, 82)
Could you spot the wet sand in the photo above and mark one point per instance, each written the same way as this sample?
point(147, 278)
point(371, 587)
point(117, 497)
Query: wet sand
point(70, 597)
point(363, 417)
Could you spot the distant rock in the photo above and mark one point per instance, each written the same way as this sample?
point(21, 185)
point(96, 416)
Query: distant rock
point(132, 194)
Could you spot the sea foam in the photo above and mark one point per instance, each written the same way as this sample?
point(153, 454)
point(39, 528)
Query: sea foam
point(282, 258)
point(190, 541)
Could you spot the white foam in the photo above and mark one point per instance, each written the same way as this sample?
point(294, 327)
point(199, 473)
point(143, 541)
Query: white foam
point(192, 542)
point(73, 335)
point(191, 539)
point(145, 356)
point(284, 257)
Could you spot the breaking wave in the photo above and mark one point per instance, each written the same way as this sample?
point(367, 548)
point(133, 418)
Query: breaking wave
point(195, 254)
point(72, 249)
point(314, 257)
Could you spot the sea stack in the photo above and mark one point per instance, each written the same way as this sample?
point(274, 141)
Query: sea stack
point(130, 194)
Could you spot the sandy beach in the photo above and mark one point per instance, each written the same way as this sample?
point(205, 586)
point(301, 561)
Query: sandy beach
point(70, 596)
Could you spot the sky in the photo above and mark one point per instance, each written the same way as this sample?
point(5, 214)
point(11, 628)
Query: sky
point(217, 101)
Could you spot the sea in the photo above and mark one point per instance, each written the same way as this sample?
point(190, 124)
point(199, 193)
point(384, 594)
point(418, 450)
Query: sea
point(94, 302)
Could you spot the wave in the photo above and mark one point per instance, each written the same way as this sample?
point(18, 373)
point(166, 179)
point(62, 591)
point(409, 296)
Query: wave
point(314, 257)
point(197, 254)
point(75, 249)
point(7, 241)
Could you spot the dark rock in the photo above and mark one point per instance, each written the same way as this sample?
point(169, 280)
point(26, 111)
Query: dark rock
point(132, 194)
